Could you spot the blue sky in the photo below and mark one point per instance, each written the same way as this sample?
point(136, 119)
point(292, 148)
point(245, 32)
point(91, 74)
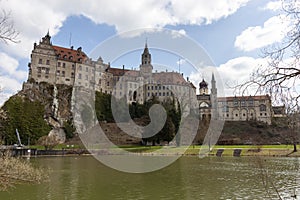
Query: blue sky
point(232, 32)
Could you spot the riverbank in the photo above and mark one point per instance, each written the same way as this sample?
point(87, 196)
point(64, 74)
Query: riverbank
point(194, 150)
point(220, 150)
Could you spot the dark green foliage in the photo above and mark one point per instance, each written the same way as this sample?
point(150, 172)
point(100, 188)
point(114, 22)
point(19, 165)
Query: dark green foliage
point(168, 131)
point(69, 129)
point(27, 117)
point(138, 111)
point(103, 107)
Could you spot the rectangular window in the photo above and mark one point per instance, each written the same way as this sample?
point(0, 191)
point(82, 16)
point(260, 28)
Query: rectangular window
point(87, 69)
point(86, 77)
point(72, 75)
point(251, 103)
point(47, 70)
point(235, 103)
point(48, 62)
point(63, 73)
point(58, 64)
point(39, 70)
point(73, 66)
point(40, 61)
point(80, 67)
point(57, 72)
point(79, 76)
point(64, 65)
point(243, 103)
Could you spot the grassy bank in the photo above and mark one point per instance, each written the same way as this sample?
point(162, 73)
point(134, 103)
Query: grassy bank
point(228, 150)
point(247, 150)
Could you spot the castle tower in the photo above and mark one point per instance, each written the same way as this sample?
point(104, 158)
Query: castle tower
point(146, 67)
point(42, 67)
point(203, 87)
point(213, 98)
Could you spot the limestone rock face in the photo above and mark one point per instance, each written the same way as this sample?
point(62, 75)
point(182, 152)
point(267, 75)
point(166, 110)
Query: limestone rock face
point(59, 134)
point(57, 103)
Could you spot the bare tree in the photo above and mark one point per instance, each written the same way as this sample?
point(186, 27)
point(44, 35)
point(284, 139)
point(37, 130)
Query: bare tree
point(279, 78)
point(14, 171)
point(8, 33)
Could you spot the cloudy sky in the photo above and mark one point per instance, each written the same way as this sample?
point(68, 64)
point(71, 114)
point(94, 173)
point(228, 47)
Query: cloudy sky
point(232, 32)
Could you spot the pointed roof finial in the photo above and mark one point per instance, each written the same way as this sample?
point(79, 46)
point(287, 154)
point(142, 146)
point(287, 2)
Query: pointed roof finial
point(146, 41)
point(48, 33)
point(212, 77)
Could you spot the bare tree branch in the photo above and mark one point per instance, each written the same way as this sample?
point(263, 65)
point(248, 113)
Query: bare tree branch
point(8, 33)
point(281, 77)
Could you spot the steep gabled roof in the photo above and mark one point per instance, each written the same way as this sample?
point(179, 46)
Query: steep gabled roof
point(169, 78)
point(71, 55)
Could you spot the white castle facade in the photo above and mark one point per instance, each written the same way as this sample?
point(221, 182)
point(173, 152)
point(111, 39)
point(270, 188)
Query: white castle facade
point(69, 66)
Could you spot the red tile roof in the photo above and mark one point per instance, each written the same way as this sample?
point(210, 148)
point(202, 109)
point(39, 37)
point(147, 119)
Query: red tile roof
point(72, 55)
point(117, 71)
point(169, 78)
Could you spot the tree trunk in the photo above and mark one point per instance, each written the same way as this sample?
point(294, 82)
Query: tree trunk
point(295, 147)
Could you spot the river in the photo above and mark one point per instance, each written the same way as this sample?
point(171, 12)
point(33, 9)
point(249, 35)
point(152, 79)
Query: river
point(84, 177)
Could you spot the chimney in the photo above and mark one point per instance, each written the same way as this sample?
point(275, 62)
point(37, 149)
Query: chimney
point(79, 49)
point(72, 47)
point(181, 74)
point(187, 78)
point(123, 67)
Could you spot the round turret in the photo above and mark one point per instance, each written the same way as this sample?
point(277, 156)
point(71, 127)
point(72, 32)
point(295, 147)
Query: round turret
point(203, 84)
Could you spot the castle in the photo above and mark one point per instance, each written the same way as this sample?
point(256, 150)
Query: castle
point(69, 66)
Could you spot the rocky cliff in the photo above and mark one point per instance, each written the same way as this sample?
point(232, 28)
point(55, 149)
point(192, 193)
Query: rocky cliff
point(56, 101)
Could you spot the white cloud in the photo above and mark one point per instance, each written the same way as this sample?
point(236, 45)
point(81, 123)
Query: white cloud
point(10, 76)
point(203, 11)
point(179, 33)
point(274, 5)
point(9, 67)
point(10, 85)
point(181, 62)
point(273, 30)
point(33, 18)
point(7, 64)
point(229, 74)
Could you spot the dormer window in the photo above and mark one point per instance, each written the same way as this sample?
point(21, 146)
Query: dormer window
point(71, 57)
point(65, 57)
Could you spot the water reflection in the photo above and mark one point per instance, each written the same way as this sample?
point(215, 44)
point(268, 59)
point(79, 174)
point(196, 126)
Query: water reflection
point(188, 178)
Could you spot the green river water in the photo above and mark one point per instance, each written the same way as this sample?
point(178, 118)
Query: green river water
point(84, 177)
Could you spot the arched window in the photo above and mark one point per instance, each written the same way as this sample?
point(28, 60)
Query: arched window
point(203, 105)
point(134, 96)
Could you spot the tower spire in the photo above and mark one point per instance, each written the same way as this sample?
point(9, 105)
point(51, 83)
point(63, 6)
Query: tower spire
point(146, 45)
point(213, 84)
